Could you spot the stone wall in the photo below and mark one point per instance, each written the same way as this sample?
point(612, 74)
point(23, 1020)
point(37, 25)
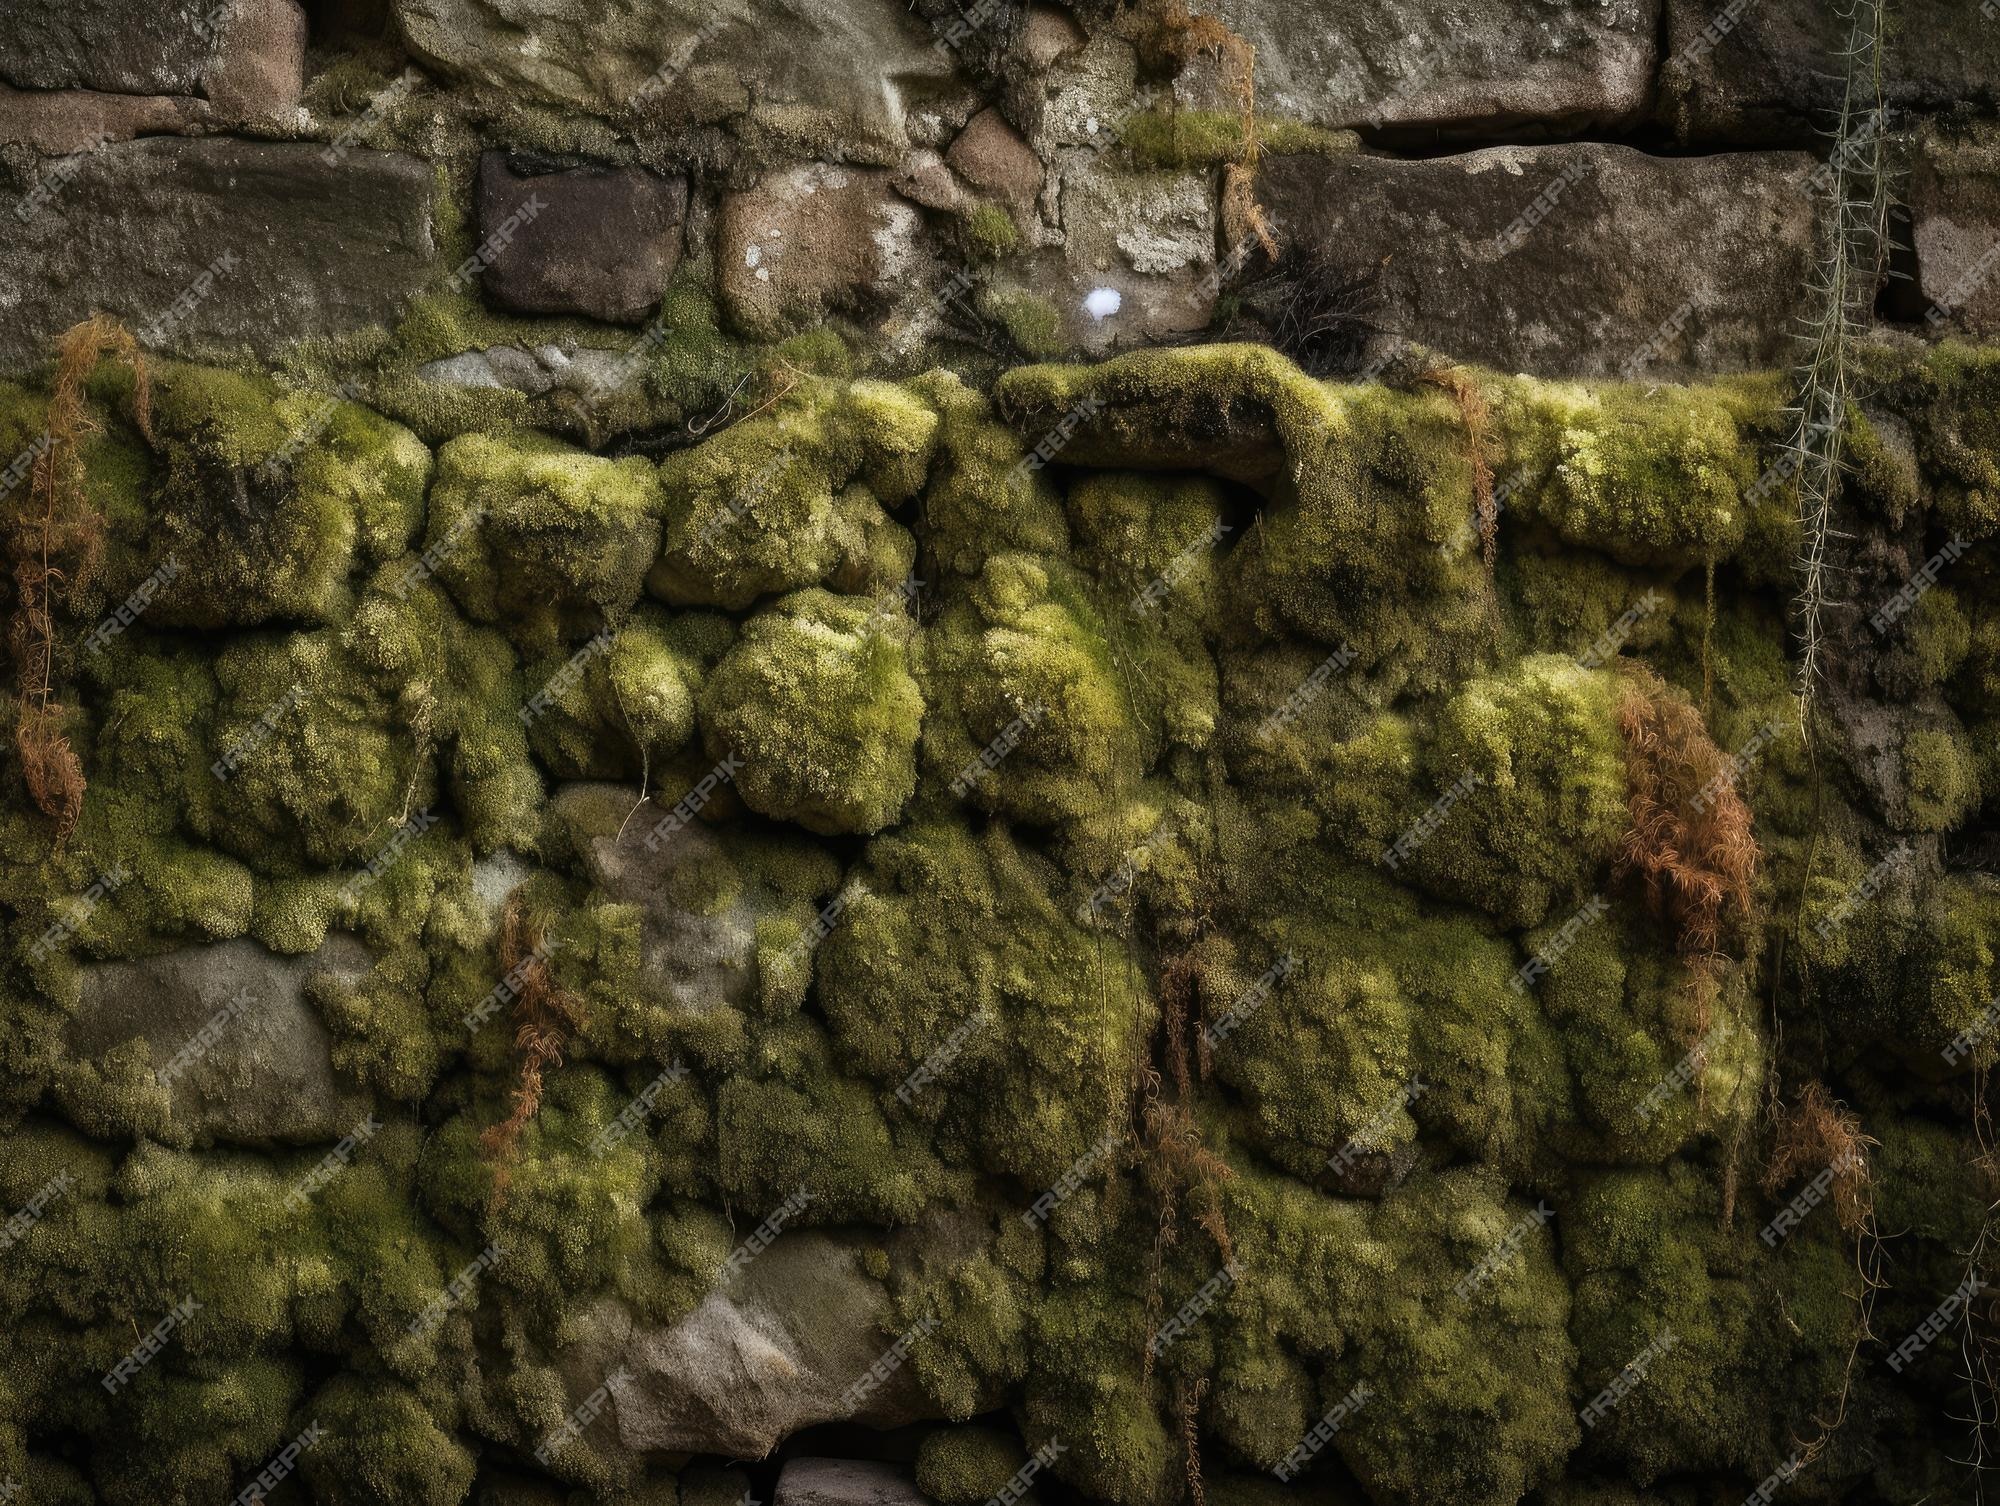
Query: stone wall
point(899, 753)
point(950, 187)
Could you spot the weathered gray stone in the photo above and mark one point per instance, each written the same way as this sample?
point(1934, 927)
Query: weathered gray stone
point(847, 1482)
point(115, 45)
point(827, 72)
point(1149, 238)
point(260, 66)
point(546, 368)
point(923, 178)
point(772, 1349)
point(226, 50)
point(1769, 69)
point(698, 913)
point(1570, 260)
point(1954, 202)
point(596, 241)
point(217, 243)
point(232, 1036)
point(1432, 63)
point(1048, 35)
point(813, 240)
point(1083, 97)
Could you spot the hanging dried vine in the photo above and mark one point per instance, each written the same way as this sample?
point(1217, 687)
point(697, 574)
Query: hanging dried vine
point(545, 1017)
point(55, 544)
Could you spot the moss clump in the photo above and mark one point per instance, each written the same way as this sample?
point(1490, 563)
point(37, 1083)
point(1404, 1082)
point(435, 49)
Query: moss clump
point(269, 501)
point(542, 537)
point(1032, 321)
point(795, 498)
point(963, 1466)
point(1528, 783)
point(1646, 1254)
point(1950, 396)
point(816, 707)
point(1368, 490)
point(1942, 777)
point(1648, 480)
point(1214, 138)
point(383, 1444)
point(623, 702)
point(990, 229)
point(1034, 717)
point(942, 931)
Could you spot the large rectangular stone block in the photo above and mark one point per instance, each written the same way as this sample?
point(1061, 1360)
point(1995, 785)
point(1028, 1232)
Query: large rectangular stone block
point(216, 243)
point(1435, 63)
point(1572, 260)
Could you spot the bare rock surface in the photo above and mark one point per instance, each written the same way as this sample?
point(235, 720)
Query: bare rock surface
point(231, 1035)
point(774, 1348)
point(217, 244)
point(1571, 261)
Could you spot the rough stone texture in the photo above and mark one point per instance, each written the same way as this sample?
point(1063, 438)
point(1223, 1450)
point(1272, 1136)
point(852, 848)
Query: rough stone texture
point(1048, 34)
point(600, 242)
point(1150, 237)
point(268, 1077)
point(1628, 242)
point(1954, 203)
point(824, 71)
point(769, 1351)
point(994, 158)
point(260, 65)
point(543, 369)
point(318, 249)
point(923, 178)
point(815, 239)
point(58, 122)
point(170, 47)
point(846, 1482)
point(108, 44)
point(1431, 63)
point(694, 959)
point(1774, 74)
point(1081, 99)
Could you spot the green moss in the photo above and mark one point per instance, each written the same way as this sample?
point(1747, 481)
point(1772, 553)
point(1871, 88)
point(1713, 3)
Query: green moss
point(1211, 138)
point(382, 1444)
point(816, 707)
point(1526, 777)
point(1032, 322)
point(1942, 777)
point(938, 1014)
point(269, 501)
point(1647, 480)
point(1035, 720)
point(795, 498)
point(1648, 1256)
point(944, 932)
point(990, 228)
point(1951, 394)
point(543, 537)
point(963, 1466)
point(620, 704)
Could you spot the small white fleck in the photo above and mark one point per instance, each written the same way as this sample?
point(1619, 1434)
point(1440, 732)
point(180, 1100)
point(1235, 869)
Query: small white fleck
point(1102, 303)
point(763, 274)
point(752, 254)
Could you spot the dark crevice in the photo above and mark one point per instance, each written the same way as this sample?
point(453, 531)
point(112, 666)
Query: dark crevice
point(1900, 301)
point(335, 22)
point(1431, 140)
